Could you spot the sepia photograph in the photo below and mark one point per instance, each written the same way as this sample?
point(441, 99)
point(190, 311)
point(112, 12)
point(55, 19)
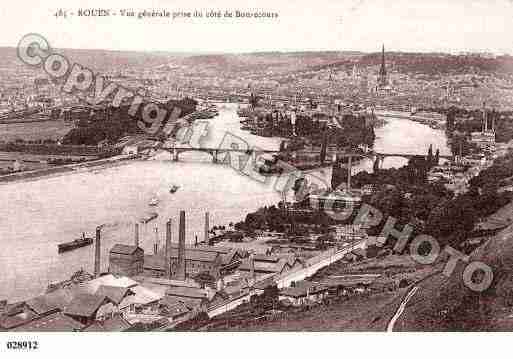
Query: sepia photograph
point(203, 167)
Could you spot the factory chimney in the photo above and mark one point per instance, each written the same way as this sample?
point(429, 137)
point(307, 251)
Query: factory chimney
point(181, 248)
point(97, 252)
point(252, 268)
point(156, 245)
point(168, 249)
point(207, 226)
point(485, 118)
point(136, 235)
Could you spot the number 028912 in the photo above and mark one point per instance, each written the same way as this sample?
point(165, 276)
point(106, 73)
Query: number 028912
point(22, 345)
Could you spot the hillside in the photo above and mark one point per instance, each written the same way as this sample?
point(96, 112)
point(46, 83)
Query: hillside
point(445, 304)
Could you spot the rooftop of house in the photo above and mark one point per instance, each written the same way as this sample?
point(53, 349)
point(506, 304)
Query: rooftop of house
point(157, 261)
point(267, 267)
point(303, 288)
point(186, 292)
point(52, 301)
point(107, 280)
point(350, 280)
point(175, 306)
point(115, 294)
point(56, 322)
point(16, 314)
point(115, 324)
point(85, 305)
point(124, 249)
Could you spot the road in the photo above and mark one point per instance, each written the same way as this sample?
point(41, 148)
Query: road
point(400, 310)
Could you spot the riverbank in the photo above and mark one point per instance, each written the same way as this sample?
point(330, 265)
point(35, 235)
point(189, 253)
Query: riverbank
point(65, 169)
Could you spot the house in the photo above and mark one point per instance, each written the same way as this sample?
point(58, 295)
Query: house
point(115, 295)
point(126, 260)
point(269, 265)
point(230, 257)
point(304, 292)
point(194, 298)
point(483, 140)
point(175, 308)
point(114, 324)
point(15, 315)
point(350, 283)
point(125, 295)
point(52, 302)
point(55, 322)
point(85, 307)
point(131, 149)
point(337, 200)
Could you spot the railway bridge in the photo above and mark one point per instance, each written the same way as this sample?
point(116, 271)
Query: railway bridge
point(215, 153)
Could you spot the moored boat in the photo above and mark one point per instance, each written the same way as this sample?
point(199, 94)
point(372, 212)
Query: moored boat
point(77, 243)
point(148, 217)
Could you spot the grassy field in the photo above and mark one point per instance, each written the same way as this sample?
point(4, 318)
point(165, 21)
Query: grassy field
point(34, 131)
point(360, 313)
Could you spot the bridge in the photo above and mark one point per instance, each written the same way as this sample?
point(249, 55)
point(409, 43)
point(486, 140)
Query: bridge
point(215, 152)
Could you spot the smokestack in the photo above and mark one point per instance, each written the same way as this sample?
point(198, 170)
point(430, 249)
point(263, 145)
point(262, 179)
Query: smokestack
point(97, 252)
point(181, 247)
point(485, 118)
point(168, 249)
point(207, 226)
point(349, 174)
point(156, 246)
point(252, 267)
point(136, 240)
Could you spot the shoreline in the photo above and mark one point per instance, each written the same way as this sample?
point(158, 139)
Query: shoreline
point(57, 171)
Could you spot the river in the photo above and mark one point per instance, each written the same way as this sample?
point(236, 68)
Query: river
point(37, 215)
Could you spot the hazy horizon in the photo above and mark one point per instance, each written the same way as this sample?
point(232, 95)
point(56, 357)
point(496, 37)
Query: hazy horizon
point(202, 53)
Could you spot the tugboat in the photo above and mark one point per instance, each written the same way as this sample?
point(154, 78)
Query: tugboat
point(77, 243)
point(148, 217)
point(173, 189)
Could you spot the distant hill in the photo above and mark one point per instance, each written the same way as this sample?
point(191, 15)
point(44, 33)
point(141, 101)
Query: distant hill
point(100, 60)
point(276, 61)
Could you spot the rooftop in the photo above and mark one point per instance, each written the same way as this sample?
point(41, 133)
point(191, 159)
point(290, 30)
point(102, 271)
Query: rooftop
point(115, 294)
point(84, 305)
point(186, 292)
point(114, 324)
point(302, 288)
point(56, 322)
point(124, 249)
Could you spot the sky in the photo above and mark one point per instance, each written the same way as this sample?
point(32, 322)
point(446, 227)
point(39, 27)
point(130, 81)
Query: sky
point(362, 25)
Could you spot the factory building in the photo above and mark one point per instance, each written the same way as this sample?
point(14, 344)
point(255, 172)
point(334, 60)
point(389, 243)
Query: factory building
point(126, 260)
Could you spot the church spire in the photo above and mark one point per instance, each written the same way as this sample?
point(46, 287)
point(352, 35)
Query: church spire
point(383, 56)
point(382, 78)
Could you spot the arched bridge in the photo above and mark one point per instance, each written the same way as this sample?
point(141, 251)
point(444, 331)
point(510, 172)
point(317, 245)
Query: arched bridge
point(216, 152)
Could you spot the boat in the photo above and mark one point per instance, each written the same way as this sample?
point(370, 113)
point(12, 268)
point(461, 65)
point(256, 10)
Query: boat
point(173, 188)
point(148, 217)
point(154, 201)
point(77, 243)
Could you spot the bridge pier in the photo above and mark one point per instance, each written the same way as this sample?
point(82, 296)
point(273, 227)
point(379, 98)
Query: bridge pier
point(214, 156)
point(175, 155)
